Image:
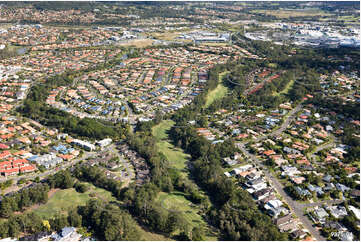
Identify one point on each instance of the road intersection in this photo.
(296, 207)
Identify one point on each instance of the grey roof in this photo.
(67, 231)
(327, 178)
(321, 213)
(256, 181)
(342, 187)
(302, 192)
(283, 220)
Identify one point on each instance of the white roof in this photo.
(245, 167)
(356, 211)
(275, 203)
(227, 174)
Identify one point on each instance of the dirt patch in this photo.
(15, 188)
(52, 192)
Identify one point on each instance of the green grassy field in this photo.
(286, 89)
(219, 92)
(349, 19)
(149, 236)
(176, 201)
(63, 200)
(176, 157)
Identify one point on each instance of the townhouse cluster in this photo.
(25, 145)
(259, 78)
(113, 165)
(12, 88)
(141, 168)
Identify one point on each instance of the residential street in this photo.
(328, 202)
(296, 207)
(284, 125)
(50, 172)
(112, 149)
(324, 146)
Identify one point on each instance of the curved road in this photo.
(284, 125)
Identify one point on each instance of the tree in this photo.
(46, 224)
(5, 208)
(13, 226)
(59, 222)
(198, 234)
(183, 236)
(81, 187)
(175, 221)
(25, 199)
(74, 218)
(4, 230)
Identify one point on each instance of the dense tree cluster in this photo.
(97, 177)
(144, 143)
(207, 170)
(81, 187)
(61, 179)
(22, 199)
(108, 221)
(142, 203)
(5, 184)
(23, 223)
